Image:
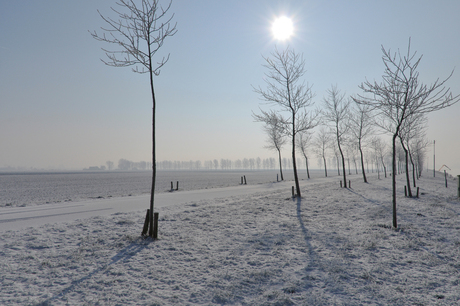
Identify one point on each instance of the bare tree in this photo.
(285, 89)
(109, 165)
(413, 128)
(419, 149)
(336, 113)
(380, 151)
(304, 140)
(274, 127)
(361, 128)
(400, 95)
(353, 151)
(137, 34)
(321, 145)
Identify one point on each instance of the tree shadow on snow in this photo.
(307, 236)
(123, 255)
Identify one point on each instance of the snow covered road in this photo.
(16, 218)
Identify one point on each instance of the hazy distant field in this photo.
(20, 189)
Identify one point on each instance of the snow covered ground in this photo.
(335, 246)
(38, 188)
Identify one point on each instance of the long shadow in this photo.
(366, 199)
(124, 255)
(306, 235)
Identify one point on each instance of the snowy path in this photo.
(17, 218)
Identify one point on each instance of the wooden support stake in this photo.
(172, 187)
(146, 223)
(418, 188)
(458, 186)
(349, 183)
(177, 188)
(155, 225)
(405, 191)
(241, 180)
(340, 184)
(292, 191)
(445, 177)
(245, 180)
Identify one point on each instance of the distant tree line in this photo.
(224, 164)
(376, 158)
(127, 165)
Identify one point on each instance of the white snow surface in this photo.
(253, 246)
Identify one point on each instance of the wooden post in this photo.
(146, 223)
(340, 184)
(445, 177)
(292, 191)
(405, 191)
(458, 188)
(155, 225)
(177, 186)
(418, 188)
(245, 180)
(241, 180)
(349, 183)
(172, 187)
(277, 177)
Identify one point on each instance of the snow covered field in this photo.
(333, 247)
(26, 189)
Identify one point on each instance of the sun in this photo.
(282, 28)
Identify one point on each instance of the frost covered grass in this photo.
(334, 246)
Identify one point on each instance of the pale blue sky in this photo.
(61, 106)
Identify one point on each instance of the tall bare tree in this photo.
(419, 146)
(380, 149)
(303, 141)
(413, 128)
(336, 113)
(274, 127)
(321, 144)
(401, 95)
(286, 90)
(361, 129)
(137, 34)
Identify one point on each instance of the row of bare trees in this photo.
(227, 164)
(399, 101)
(397, 105)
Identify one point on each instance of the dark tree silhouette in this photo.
(286, 90)
(137, 34)
(400, 95)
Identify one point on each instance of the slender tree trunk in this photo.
(362, 163)
(296, 178)
(281, 168)
(325, 167)
(306, 163)
(154, 168)
(343, 168)
(406, 154)
(384, 168)
(395, 222)
(413, 169)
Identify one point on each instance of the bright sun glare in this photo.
(282, 28)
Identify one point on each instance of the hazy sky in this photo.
(60, 106)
